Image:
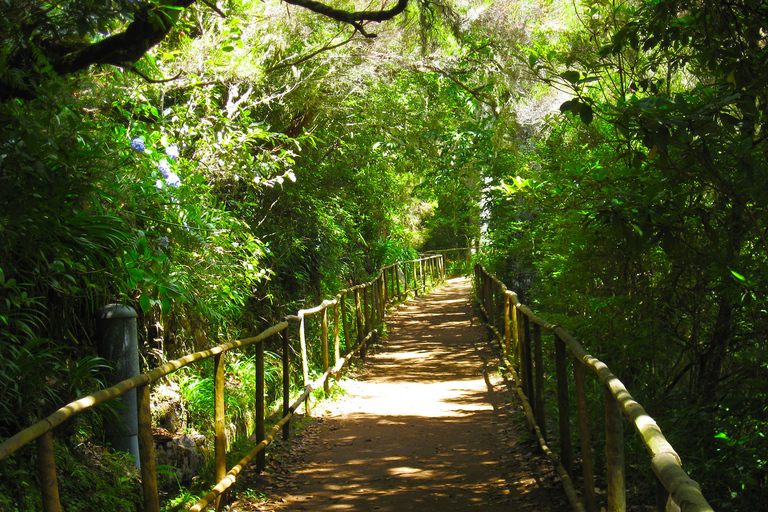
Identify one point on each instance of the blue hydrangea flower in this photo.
(164, 169)
(173, 179)
(159, 184)
(138, 145)
(172, 152)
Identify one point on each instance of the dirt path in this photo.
(426, 425)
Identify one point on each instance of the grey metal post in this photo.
(118, 343)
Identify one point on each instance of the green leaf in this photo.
(570, 105)
(571, 76)
(586, 114)
(739, 276)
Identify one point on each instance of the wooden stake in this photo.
(324, 339)
(336, 340)
(147, 450)
(259, 405)
(538, 389)
(584, 437)
(563, 405)
(46, 470)
(220, 440)
(614, 454)
(286, 383)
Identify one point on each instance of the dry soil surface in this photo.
(428, 423)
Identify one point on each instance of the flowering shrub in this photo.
(172, 152)
(173, 179)
(170, 178)
(164, 169)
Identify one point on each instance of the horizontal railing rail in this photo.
(393, 282)
(518, 331)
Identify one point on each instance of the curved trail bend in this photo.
(427, 425)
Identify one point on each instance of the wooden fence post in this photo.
(538, 389)
(563, 405)
(528, 362)
(286, 383)
(515, 335)
(324, 339)
(385, 286)
(359, 322)
(415, 281)
(46, 470)
(614, 454)
(585, 441)
(147, 450)
(506, 325)
(259, 405)
(336, 340)
(366, 321)
(304, 361)
(220, 433)
(397, 281)
(344, 323)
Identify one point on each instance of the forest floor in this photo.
(426, 423)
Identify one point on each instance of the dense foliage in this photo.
(216, 166)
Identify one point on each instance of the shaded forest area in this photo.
(218, 165)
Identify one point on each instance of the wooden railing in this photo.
(518, 331)
(394, 282)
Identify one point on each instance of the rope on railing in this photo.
(369, 313)
(674, 487)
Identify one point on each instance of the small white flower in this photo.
(173, 179)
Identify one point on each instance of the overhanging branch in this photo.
(354, 18)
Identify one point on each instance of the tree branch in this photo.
(353, 18)
(305, 58)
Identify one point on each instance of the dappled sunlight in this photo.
(417, 430)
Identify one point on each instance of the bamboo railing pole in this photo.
(415, 280)
(585, 441)
(515, 335)
(46, 470)
(336, 339)
(538, 389)
(614, 454)
(304, 361)
(286, 383)
(147, 450)
(662, 495)
(378, 293)
(366, 321)
(220, 433)
(405, 279)
(345, 323)
(259, 405)
(386, 287)
(529, 386)
(393, 295)
(423, 274)
(397, 281)
(507, 335)
(563, 405)
(358, 318)
(489, 306)
(324, 336)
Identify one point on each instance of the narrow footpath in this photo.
(428, 424)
